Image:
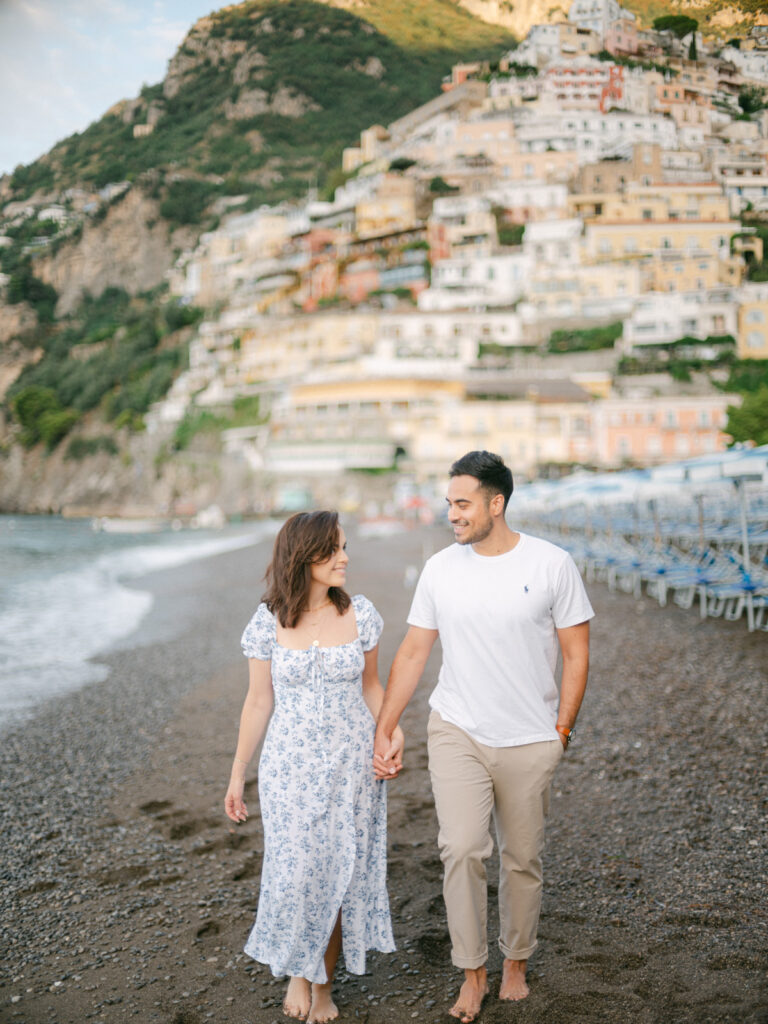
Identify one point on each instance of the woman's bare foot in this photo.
(471, 995)
(298, 998)
(323, 1007)
(513, 984)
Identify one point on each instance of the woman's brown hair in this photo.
(304, 539)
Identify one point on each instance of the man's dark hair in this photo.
(489, 470)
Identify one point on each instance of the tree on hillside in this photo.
(753, 98)
(679, 25)
(749, 421)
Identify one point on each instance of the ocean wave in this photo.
(52, 625)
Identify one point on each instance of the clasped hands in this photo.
(388, 753)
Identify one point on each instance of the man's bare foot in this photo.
(471, 995)
(513, 985)
(298, 998)
(323, 1007)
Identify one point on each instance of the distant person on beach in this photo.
(314, 680)
(501, 602)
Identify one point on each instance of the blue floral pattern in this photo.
(324, 814)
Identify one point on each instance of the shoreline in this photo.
(129, 895)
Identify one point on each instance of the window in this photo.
(755, 339)
(755, 316)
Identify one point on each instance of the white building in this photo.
(528, 199)
(540, 46)
(751, 63)
(659, 318)
(593, 136)
(553, 242)
(425, 342)
(597, 15)
(476, 283)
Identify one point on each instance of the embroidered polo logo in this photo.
(525, 588)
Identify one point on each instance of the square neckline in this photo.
(323, 647)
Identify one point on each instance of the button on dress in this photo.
(324, 814)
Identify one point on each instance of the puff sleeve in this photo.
(259, 635)
(369, 622)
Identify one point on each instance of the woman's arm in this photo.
(253, 723)
(373, 694)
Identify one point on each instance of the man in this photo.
(501, 602)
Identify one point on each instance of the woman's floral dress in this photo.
(324, 813)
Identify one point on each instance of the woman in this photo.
(312, 654)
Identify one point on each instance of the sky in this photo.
(63, 63)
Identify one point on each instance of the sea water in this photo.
(66, 596)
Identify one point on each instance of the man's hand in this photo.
(388, 753)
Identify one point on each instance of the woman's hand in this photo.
(234, 804)
(389, 763)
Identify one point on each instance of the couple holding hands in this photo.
(503, 603)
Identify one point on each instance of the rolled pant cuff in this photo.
(516, 954)
(469, 962)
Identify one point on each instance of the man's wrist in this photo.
(566, 732)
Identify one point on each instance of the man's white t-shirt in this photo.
(497, 617)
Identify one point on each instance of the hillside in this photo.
(715, 18)
(257, 104)
(260, 99)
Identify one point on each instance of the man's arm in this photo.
(404, 677)
(574, 646)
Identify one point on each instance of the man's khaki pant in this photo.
(471, 782)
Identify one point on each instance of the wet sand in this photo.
(127, 894)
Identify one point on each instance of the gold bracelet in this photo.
(246, 763)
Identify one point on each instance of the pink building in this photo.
(320, 282)
(359, 280)
(586, 84)
(645, 431)
(621, 37)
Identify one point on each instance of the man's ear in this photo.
(496, 505)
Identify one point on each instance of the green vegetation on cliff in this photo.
(115, 353)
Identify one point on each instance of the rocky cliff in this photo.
(131, 248)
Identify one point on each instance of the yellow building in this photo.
(372, 142)
(604, 241)
(590, 289)
(685, 272)
(354, 421)
(286, 348)
(528, 432)
(660, 203)
(392, 208)
(752, 340)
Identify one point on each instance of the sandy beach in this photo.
(127, 895)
